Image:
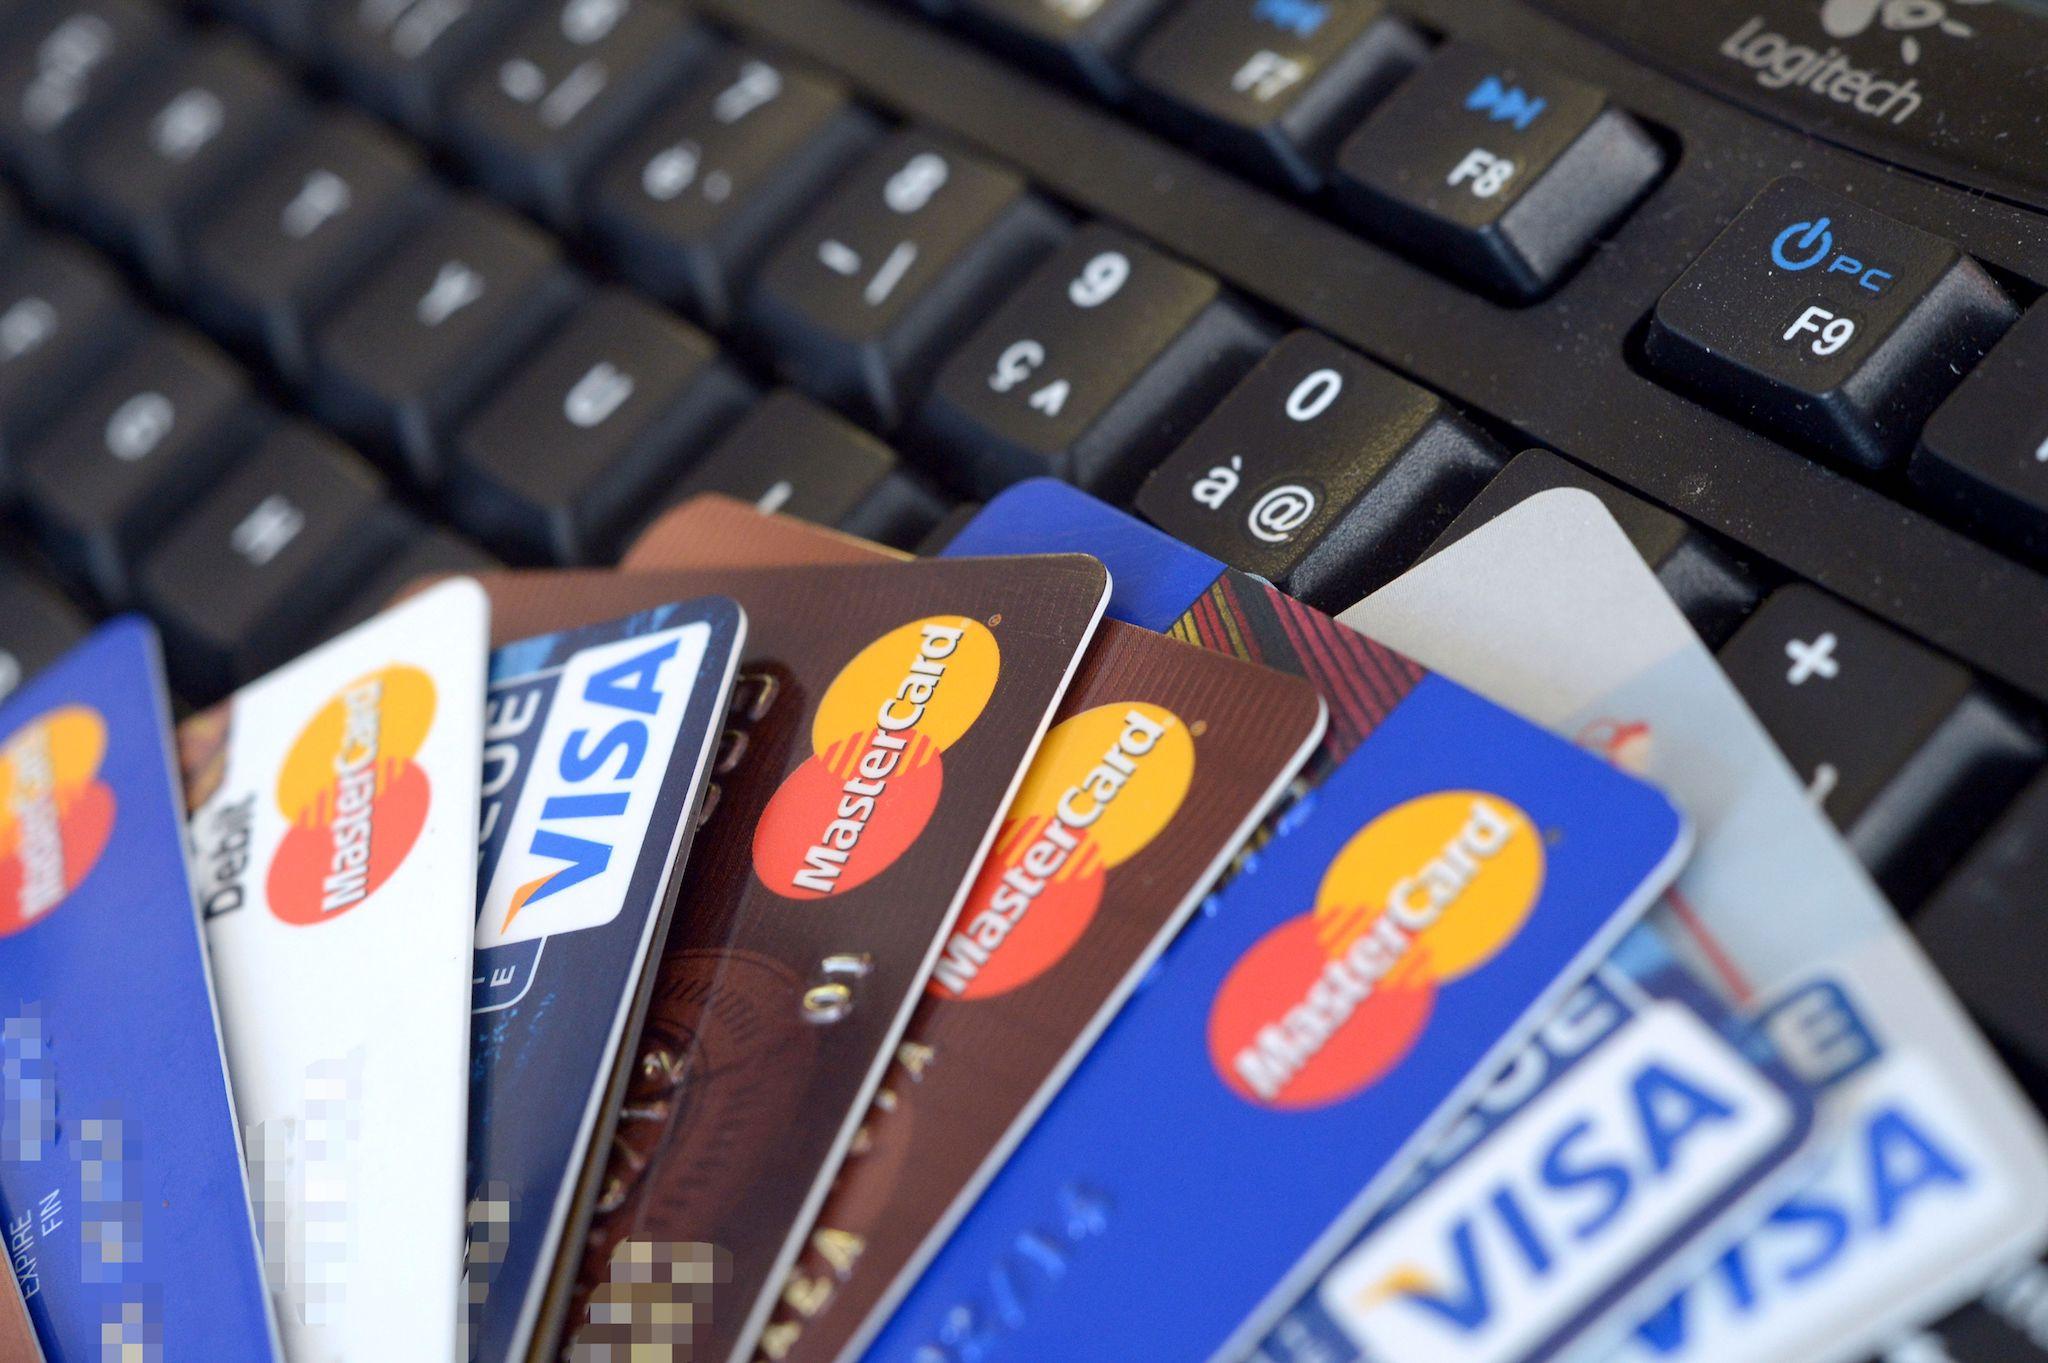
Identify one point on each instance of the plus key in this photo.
(1898, 746)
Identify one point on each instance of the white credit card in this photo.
(334, 850)
(1934, 1169)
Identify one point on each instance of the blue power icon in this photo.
(1804, 245)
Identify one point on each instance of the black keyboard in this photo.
(300, 299)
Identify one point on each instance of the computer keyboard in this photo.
(303, 298)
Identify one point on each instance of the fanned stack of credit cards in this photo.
(1068, 948)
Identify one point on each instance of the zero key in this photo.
(1321, 472)
(1826, 323)
(1897, 745)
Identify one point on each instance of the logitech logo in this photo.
(1779, 62)
(1810, 244)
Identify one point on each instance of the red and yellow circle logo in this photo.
(876, 767)
(1104, 784)
(1325, 1004)
(354, 795)
(55, 812)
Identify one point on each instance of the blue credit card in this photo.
(1153, 577)
(127, 1218)
(597, 748)
(1645, 1126)
(1302, 1044)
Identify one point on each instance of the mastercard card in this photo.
(1303, 1043)
(1162, 761)
(334, 844)
(126, 1217)
(883, 718)
(1644, 1127)
(1038, 963)
(1932, 1173)
(597, 749)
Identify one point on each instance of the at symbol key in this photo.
(1826, 324)
(1321, 472)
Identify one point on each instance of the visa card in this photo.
(126, 1217)
(1934, 1168)
(1303, 1043)
(1582, 1181)
(597, 750)
(332, 802)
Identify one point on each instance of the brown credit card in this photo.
(1162, 761)
(884, 718)
(1192, 749)
(17, 1335)
(711, 529)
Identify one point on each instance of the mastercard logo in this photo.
(55, 812)
(1325, 1004)
(353, 795)
(877, 761)
(1105, 783)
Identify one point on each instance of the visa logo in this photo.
(584, 808)
(1592, 1176)
(1905, 1191)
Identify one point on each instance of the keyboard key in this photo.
(1826, 323)
(792, 456)
(37, 625)
(1701, 577)
(1985, 452)
(1101, 361)
(132, 452)
(424, 336)
(1085, 39)
(59, 73)
(580, 437)
(1501, 174)
(401, 56)
(246, 579)
(286, 24)
(1897, 745)
(1274, 83)
(300, 230)
(1321, 472)
(532, 117)
(857, 304)
(165, 152)
(61, 311)
(1986, 929)
(688, 207)
(428, 553)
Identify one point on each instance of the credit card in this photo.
(1160, 584)
(1935, 1170)
(1584, 1179)
(127, 1218)
(711, 530)
(597, 750)
(1162, 761)
(17, 1336)
(886, 716)
(334, 803)
(1301, 1045)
